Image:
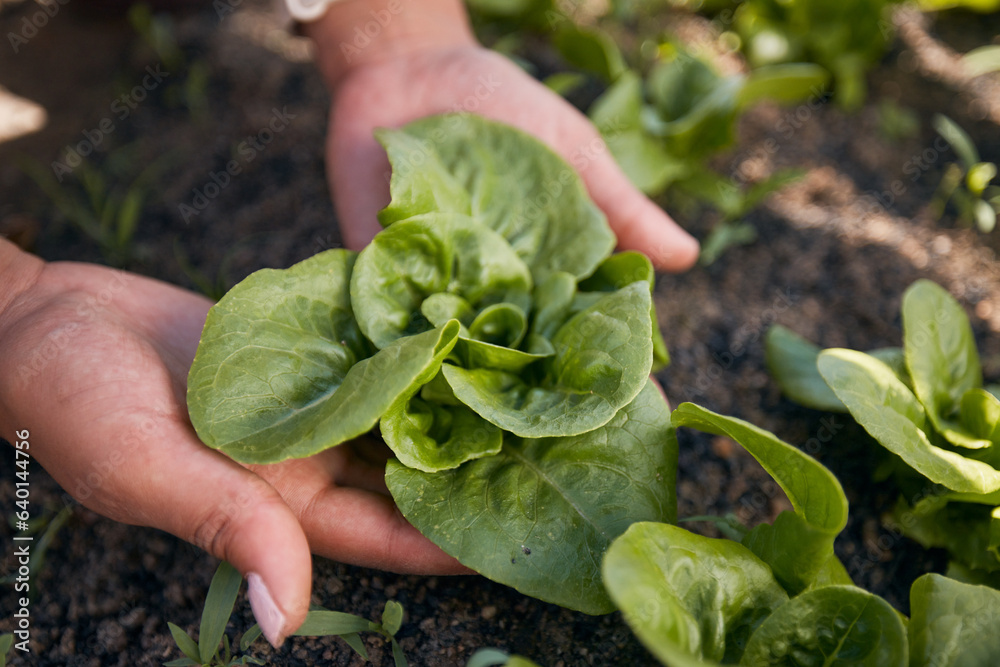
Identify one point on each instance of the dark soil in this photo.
(835, 253)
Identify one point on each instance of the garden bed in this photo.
(833, 258)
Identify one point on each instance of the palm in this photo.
(123, 443)
(393, 92)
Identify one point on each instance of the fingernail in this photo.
(269, 617)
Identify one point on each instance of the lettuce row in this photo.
(779, 596)
(926, 404)
(500, 348)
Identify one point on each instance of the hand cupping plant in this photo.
(926, 404)
(500, 348)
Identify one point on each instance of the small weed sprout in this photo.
(215, 649)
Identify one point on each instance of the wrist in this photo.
(355, 33)
(18, 272)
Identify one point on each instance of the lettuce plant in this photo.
(663, 130)
(926, 404)
(490, 335)
(779, 596)
(847, 37)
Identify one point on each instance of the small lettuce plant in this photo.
(926, 404)
(777, 595)
(490, 335)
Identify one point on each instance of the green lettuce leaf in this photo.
(890, 412)
(953, 624)
(980, 414)
(791, 359)
(835, 626)
(539, 515)
(691, 600)
(432, 437)
(552, 301)
(512, 183)
(282, 370)
(602, 358)
(426, 256)
(941, 357)
(623, 269)
(788, 83)
(798, 546)
(964, 529)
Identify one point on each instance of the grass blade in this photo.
(397, 654)
(184, 642)
(249, 637)
(959, 139)
(324, 623)
(218, 608)
(487, 657)
(6, 641)
(354, 641)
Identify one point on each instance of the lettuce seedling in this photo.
(926, 404)
(488, 332)
(779, 595)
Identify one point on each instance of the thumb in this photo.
(639, 223)
(235, 515)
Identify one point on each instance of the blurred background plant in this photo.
(968, 183)
(667, 112)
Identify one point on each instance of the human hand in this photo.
(94, 363)
(424, 61)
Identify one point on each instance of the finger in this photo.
(638, 223)
(363, 528)
(216, 504)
